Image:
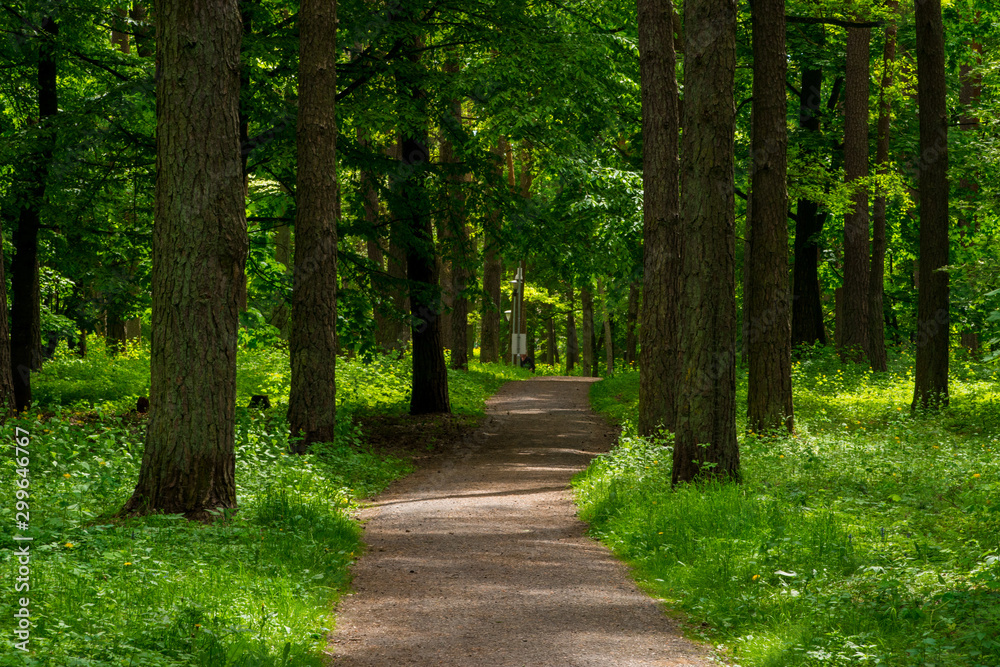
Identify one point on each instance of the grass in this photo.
(255, 588)
(870, 537)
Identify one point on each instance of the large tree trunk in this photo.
(933, 318)
(705, 440)
(587, 333)
(659, 360)
(769, 340)
(807, 307)
(25, 312)
(876, 281)
(489, 348)
(199, 249)
(854, 340)
(429, 385)
(312, 405)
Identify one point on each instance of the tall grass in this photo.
(870, 536)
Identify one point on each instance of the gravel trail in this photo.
(478, 558)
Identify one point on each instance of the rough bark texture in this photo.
(931, 386)
(429, 386)
(705, 439)
(876, 281)
(312, 404)
(807, 307)
(489, 348)
(587, 333)
(199, 248)
(458, 237)
(769, 339)
(25, 311)
(631, 354)
(659, 361)
(854, 339)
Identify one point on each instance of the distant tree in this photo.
(489, 349)
(705, 440)
(768, 340)
(199, 250)
(933, 317)
(854, 340)
(876, 282)
(25, 311)
(312, 405)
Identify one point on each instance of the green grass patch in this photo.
(257, 587)
(871, 536)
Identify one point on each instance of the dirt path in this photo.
(479, 559)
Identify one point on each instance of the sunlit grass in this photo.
(871, 536)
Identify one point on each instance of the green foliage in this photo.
(871, 536)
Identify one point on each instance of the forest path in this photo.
(478, 558)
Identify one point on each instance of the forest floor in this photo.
(478, 558)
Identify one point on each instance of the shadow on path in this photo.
(479, 559)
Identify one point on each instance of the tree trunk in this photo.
(807, 307)
(572, 344)
(199, 249)
(489, 348)
(705, 440)
(587, 334)
(659, 360)
(769, 338)
(631, 321)
(312, 404)
(933, 318)
(876, 282)
(25, 311)
(429, 386)
(551, 354)
(854, 340)
(609, 349)
(458, 236)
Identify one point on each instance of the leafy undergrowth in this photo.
(254, 588)
(871, 536)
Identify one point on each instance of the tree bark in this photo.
(933, 317)
(312, 404)
(769, 339)
(429, 385)
(489, 349)
(876, 282)
(551, 353)
(458, 238)
(609, 349)
(572, 344)
(659, 360)
(587, 333)
(807, 306)
(25, 311)
(854, 340)
(199, 249)
(705, 440)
